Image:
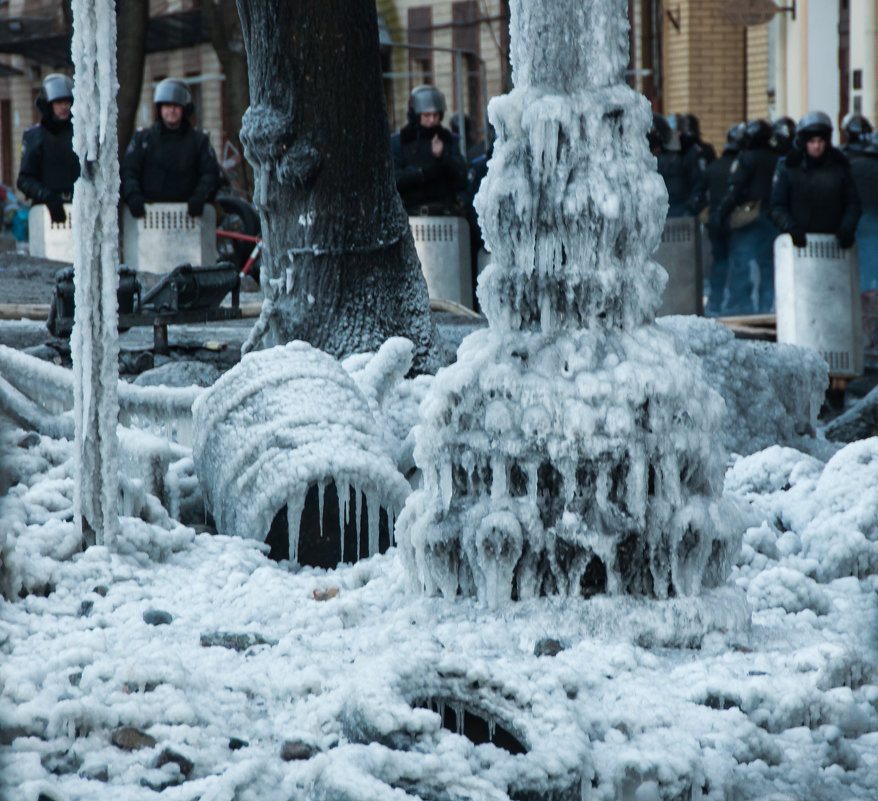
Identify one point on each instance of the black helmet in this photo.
(814, 123)
(678, 122)
(856, 129)
(173, 90)
(660, 133)
(782, 132)
(55, 87)
(735, 137)
(694, 126)
(758, 134)
(681, 123)
(425, 99)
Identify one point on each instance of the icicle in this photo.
(294, 521)
(492, 727)
(445, 482)
(458, 711)
(321, 486)
(358, 497)
(372, 509)
(341, 486)
(498, 477)
(531, 471)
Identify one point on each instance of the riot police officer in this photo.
(744, 213)
(865, 172)
(783, 130)
(430, 170)
(856, 130)
(814, 190)
(717, 178)
(49, 167)
(171, 161)
(684, 179)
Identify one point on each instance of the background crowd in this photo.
(770, 178)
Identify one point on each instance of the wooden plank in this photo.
(24, 311)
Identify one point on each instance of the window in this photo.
(420, 35)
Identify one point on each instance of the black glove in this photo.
(136, 206)
(56, 208)
(799, 239)
(845, 238)
(195, 206)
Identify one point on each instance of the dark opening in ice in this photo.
(321, 546)
(462, 719)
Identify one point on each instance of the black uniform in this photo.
(164, 165)
(717, 182)
(751, 246)
(49, 167)
(684, 180)
(750, 180)
(421, 178)
(865, 174)
(815, 196)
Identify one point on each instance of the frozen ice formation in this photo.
(772, 391)
(284, 420)
(574, 447)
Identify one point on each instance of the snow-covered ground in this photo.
(188, 662)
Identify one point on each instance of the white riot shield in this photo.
(443, 249)
(817, 297)
(49, 240)
(680, 253)
(166, 237)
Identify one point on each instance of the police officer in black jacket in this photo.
(49, 167)
(430, 170)
(751, 242)
(814, 191)
(683, 177)
(856, 130)
(170, 162)
(717, 179)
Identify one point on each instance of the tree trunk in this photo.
(132, 19)
(224, 27)
(339, 263)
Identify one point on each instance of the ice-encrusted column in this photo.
(573, 447)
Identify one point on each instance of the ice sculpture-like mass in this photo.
(573, 448)
(281, 421)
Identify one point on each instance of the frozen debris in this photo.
(281, 423)
(773, 392)
(574, 447)
(858, 422)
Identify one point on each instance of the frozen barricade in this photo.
(443, 249)
(680, 253)
(49, 240)
(167, 236)
(817, 292)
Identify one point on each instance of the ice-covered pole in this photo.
(94, 342)
(571, 448)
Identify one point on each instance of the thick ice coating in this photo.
(574, 447)
(279, 422)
